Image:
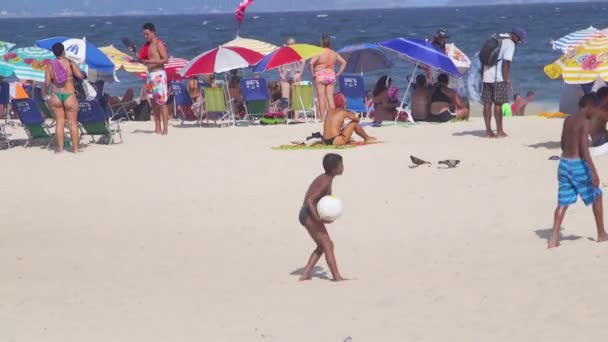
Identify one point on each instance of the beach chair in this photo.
(4, 137)
(215, 104)
(353, 88)
(32, 121)
(182, 104)
(124, 108)
(303, 100)
(43, 107)
(257, 98)
(93, 121)
(5, 97)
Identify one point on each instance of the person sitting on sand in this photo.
(421, 97)
(334, 131)
(518, 108)
(446, 104)
(385, 107)
(310, 219)
(576, 173)
(599, 134)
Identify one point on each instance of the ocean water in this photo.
(190, 35)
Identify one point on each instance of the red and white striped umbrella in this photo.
(221, 59)
(172, 69)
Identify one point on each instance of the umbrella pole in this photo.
(230, 105)
(407, 90)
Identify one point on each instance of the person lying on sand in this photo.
(309, 217)
(333, 131)
(576, 173)
(599, 134)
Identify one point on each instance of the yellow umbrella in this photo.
(122, 60)
(252, 44)
(584, 64)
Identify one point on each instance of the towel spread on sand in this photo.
(301, 146)
(556, 115)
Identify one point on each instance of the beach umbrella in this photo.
(584, 64)
(459, 58)
(26, 63)
(574, 39)
(81, 51)
(251, 44)
(122, 60)
(362, 58)
(286, 55)
(220, 59)
(5, 47)
(422, 53)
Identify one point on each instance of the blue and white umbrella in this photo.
(81, 51)
(362, 58)
(423, 53)
(574, 39)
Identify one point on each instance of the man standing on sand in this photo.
(496, 79)
(154, 55)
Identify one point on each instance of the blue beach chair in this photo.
(182, 104)
(32, 121)
(93, 121)
(256, 96)
(353, 88)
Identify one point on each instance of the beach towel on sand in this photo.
(320, 146)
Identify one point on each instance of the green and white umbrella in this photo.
(5, 47)
(26, 63)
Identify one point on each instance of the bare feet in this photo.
(501, 135)
(303, 278)
(490, 135)
(553, 242)
(339, 278)
(371, 140)
(602, 237)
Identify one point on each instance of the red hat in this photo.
(340, 100)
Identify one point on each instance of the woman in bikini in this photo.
(62, 99)
(322, 68)
(385, 106)
(446, 104)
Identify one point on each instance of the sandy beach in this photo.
(195, 237)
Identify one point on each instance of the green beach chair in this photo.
(93, 121)
(303, 100)
(214, 104)
(32, 121)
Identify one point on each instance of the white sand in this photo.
(194, 237)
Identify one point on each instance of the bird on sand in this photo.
(417, 162)
(450, 163)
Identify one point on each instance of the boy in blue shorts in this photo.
(577, 174)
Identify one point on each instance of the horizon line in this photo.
(221, 12)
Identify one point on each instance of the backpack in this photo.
(488, 55)
(59, 72)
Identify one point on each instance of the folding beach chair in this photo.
(32, 121)
(215, 104)
(353, 88)
(303, 100)
(5, 96)
(43, 107)
(256, 96)
(93, 121)
(182, 104)
(4, 137)
(124, 108)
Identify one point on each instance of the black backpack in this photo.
(488, 55)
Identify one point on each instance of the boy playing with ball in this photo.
(314, 224)
(576, 173)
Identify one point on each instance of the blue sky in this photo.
(111, 7)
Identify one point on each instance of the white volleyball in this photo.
(330, 208)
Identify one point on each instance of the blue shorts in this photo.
(574, 178)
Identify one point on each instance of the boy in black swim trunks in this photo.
(309, 218)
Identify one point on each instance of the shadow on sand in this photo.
(317, 272)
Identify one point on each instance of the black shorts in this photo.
(303, 215)
(497, 93)
(441, 117)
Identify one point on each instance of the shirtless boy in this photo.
(154, 55)
(333, 133)
(599, 135)
(576, 173)
(309, 218)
